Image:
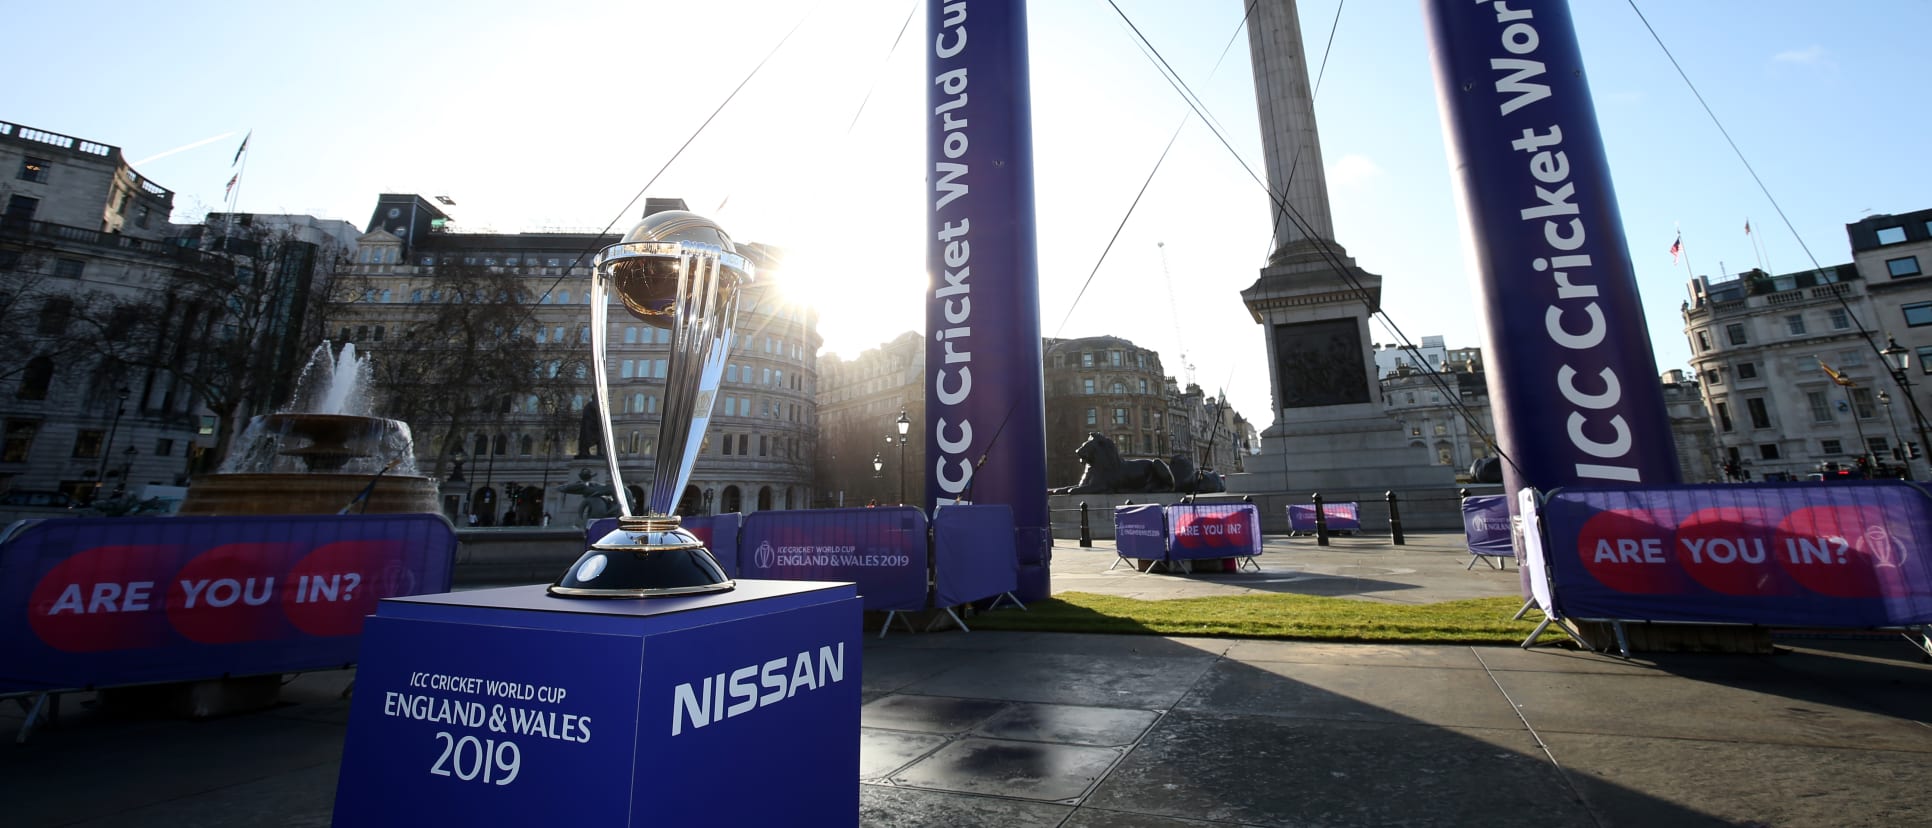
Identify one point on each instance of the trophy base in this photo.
(646, 557)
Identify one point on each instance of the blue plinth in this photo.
(511, 707)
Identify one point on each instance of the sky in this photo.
(555, 115)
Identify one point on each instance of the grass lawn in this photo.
(1303, 617)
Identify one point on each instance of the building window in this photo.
(1760, 416)
(1703, 341)
(724, 446)
(1714, 377)
(1093, 416)
(54, 316)
(34, 169)
(35, 378)
(87, 443)
(1861, 398)
(1086, 386)
(1840, 320)
(1891, 235)
(1830, 447)
(1924, 353)
(1877, 445)
(69, 268)
(1120, 416)
(1734, 333)
(1059, 360)
(1113, 358)
(1768, 451)
(1820, 407)
(1917, 314)
(1118, 387)
(1747, 370)
(164, 447)
(1143, 386)
(1442, 429)
(1086, 359)
(1794, 324)
(1907, 266)
(19, 440)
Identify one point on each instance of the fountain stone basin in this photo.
(306, 463)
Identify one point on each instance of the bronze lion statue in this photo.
(1106, 473)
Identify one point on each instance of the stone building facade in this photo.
(518, 449)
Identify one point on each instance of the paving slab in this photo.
(882, 806)
(1089, 817)
(1069, 724)
(1690, 782)
(928, 714)
(1276, 771)
(1756, 710)
(883, 751)
(1027, 770)
(1107, 681)
(1354, 692)
(1321, 652)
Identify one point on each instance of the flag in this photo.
(241, 149)
(231, 185)
(1747, 227)
(1837, 377)
(1676, 248)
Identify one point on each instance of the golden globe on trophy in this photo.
(679, 271)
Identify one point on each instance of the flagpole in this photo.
(1754, 243)
(234, 198)
(233, 195)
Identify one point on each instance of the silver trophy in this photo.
(674, 270)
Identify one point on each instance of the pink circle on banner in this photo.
(1842, 551)
(1628, 550)
(228, 594)
(1732, 550)
(1236, 533)
(1198, 530)
(104, 598)
(332, 589)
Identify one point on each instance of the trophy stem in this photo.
(600, 381)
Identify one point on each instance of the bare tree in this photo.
(231, 335)
(469, 359)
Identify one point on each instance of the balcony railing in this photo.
(49, 231)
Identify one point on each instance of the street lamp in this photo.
(878, 466)
(1900, 450)
(456, 465)
(905, 425)
(127, 464)
(100, 474)
(1900, 359)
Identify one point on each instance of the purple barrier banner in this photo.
(972, 549)
(1798, 555)
(1140, 531)
(1343, 516)
(985, 424)
(719, 533)
(882, 550)
(1485, 525)
(1200, 530)
(98, 602)
(1572, 379)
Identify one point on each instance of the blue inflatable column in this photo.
(1572, 380)
(985, 400)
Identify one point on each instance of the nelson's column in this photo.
(1329, 432)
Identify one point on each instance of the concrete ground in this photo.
(1043, 729)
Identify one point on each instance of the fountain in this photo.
(326, 454)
